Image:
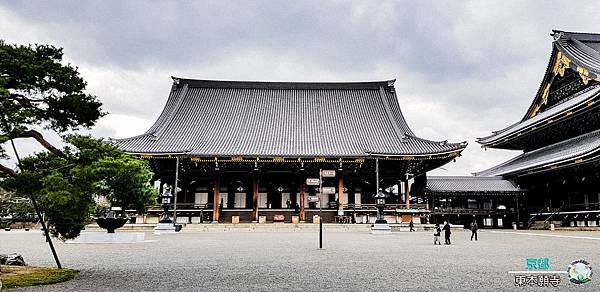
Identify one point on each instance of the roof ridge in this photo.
(556, 33)
(284, 84)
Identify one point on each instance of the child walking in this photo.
(436, 234)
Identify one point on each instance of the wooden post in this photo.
(407, 193)
(255, 198)
(216, 191)
(175, 191)
(517, 209)
(302, 201)
(340, 192)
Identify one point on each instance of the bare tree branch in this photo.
(8, 171)
(40, 138)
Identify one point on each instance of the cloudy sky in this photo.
(463, 68)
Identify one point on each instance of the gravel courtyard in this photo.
(350, 261)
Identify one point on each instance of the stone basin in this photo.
(110, 222)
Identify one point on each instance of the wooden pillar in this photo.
(340, 192)
(302, 184)
(407, 193)
(216, 191)
(255, 198)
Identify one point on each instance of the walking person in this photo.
(436, 234)
(220, 211)
(474, 228)
(411, 225)
(447, 232)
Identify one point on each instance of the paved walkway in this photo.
(351, 261)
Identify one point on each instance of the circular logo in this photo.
(580, 272)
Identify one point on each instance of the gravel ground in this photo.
(350, 261)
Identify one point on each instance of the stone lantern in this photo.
(380, 204)
(165, 224)
(381, 226)
(166, 199)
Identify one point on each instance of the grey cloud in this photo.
(482, 60)
(131, 34)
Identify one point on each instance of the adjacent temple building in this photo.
(244, 150)
(560, 138)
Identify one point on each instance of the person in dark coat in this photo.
(221, 211)
(474, 228)
(411, 225)
(447, 232)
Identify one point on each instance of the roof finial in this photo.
(175, 83)
(390, 84)
(557, 34)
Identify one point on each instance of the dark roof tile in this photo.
(470, 184)
(231, 118)
(554, 154)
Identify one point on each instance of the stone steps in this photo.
(270, 227)
(274, 227)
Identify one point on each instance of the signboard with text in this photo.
(312, 199)
(328, 173)
(328, 190)
(312, 181)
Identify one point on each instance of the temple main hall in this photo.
(243, 151)
(559, 137)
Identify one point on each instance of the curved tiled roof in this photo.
(581, 48)
(578, 102)
(470, 184)
(582, 54)
(238, 118)
(569, 151)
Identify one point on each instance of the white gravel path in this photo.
(275, 261)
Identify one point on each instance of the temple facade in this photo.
(247, 151)
(491, 201)
(559, 136)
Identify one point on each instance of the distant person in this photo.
(411, 225)
(447, 232)
(436, 234)
(296, 208)
(474, 228)
(220, 211)
(288, 203)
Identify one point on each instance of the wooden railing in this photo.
(332, 205)
(547, 221)
(534, 216)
